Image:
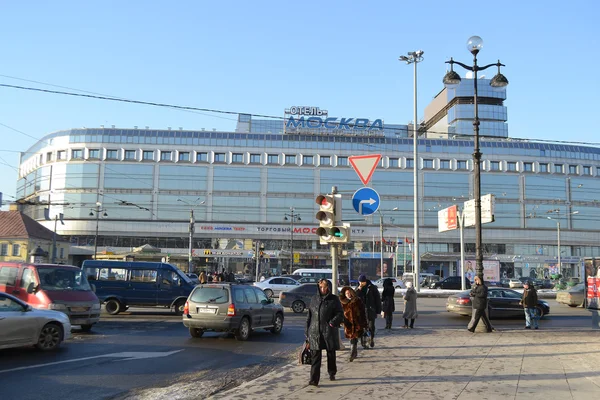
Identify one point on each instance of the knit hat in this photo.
(362, 278)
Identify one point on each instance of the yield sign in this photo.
(365, 166)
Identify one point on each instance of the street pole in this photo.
(461, 220)
(414, 57)
(257, 255)
(54, 240)
(559, 259)
(381, 242)
(292, 244)
(191, 229)
(474, 45)
(98, 204)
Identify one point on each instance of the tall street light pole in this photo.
(294, 217)
(452, 79)
(558, 239)
(415, 57)
(98, 210)
(191, 230)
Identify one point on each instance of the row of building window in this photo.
(322, 160)
(16, 250)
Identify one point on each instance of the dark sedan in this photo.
(451, 282)
(298, 298)
(502, 302)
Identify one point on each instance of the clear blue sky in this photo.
(263, 56)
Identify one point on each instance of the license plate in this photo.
(205, 310)
(79, 309)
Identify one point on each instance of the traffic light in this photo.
(261, 251)
(331, 228)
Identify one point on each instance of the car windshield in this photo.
(63, 279)
(210, 294)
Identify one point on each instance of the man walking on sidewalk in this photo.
(369, 294)
(529, 303)
(479, 294)
(325, 314)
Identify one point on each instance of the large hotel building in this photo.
(129, 192)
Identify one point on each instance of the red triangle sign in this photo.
(365, 166)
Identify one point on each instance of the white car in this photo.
(398, 284)
(275, 285)
(22, 325)
(515, 283)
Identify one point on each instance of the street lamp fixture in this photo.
(98, 210)
(415, 57)
(293, 217)
(451, 80)
(191, 230)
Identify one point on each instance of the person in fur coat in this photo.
(355, 319)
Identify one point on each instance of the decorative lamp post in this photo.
(451, 80)
(98, 210)
(293, 217)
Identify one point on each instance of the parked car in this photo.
(23, 325)
(231, 307)
(502, 302)
(398, 284)
(52, 287)
(120, 284)
(194, 278)
(298, 299)
(275, 285)
(573, 297)
(515, 283)
(547, 284)
(504, 282)
(451, 282)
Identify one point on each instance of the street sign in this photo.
(296, 257)
(488, 203)
(447, 219)
(365, 201)
(365, 166)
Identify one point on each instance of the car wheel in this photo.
(298, 306)
(278, 325)
(540, 312)
(268, 293)
(86, 327)
(179, 306)
(113, 306)
(50, 337)
(196, 332)
(243, 332)
(398, 287)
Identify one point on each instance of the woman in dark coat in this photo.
(410, 306)
(387, 298)
(325, 314)
(355, 318)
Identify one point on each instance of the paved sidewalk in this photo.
(436, 363)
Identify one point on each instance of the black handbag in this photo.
(304, 357)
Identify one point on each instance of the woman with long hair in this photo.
(387, 300)
(355, 319)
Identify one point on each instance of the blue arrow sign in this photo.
(365, 201)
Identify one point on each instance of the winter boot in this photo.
(353, 351)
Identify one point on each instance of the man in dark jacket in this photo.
(369, 294)
(529, 303)
(479, 294)
(325, 314)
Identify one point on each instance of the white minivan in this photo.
(408, 276)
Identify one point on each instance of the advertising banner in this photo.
(491, 270)
(593, 293)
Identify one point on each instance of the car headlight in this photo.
(96, 307)
(57, 307)
(544, 303)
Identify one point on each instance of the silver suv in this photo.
(230, 307)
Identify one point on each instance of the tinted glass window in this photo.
(8, 276)
(239, 296)
(262, 297)
(287, 281)
(7, 304)
(276, 281)
(208, 294)
(250, 295)
(113, 274)
(143, 275)
(27, 278)
(510, 294)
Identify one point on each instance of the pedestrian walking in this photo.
(387, 300)
(410, 306)
(370, 296)
(479, 299)
(529, 302)
(325, 314)
(355, 319)
(202, 278)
